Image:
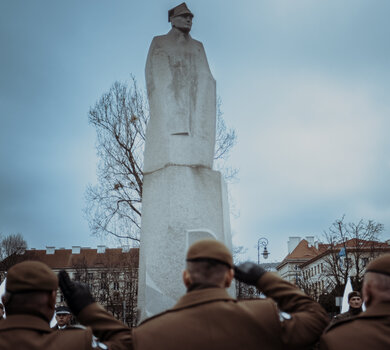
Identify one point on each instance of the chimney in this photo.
(101, 249)
(76, 249)
(310, 241)
(50, 250)
(292, 243)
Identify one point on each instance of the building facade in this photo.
(323, 269)
(111, 274)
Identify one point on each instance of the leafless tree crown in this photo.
(12, 244)
(120, 118)
(359, 241)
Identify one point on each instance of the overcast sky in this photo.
(305, 84)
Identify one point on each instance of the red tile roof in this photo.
(302, 251)
(64, 258)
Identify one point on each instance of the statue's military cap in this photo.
(31, 276)
(380, 265)
(179, 10)
(210, 249)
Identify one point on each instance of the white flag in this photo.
(348, 289)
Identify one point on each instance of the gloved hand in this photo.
(249, 273)
(76, 294)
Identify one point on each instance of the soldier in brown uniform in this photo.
(29, 302)
(370, 330)
(63, 318)
(355, 307)
(208, 318)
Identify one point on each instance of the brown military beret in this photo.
(353, 294)
(210, 249)
(380, 265)
(31, 276)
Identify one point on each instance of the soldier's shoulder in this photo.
(259, 301)
(75, 326)
(342, 316)
(154, 318)
(339, 322)
(253, 305)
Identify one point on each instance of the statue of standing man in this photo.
(182, 98)
(183, 199)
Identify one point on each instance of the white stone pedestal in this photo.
(180, 205)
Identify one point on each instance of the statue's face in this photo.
(182, 22)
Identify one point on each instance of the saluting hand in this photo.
(76, 294)
(249, 273)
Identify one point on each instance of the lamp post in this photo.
(262, 242)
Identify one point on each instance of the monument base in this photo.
(180, 205)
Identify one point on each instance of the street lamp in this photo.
(262, 242)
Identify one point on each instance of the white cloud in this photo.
(317, 143)
(321, 137)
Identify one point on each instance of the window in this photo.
(322, 267)
(116, 285)
(364, 262)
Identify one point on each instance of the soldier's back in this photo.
(216, 323)
(30, 332)
(368, 330)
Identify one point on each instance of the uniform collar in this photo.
(380, 309)
(178, 35)
(25, 321)
(202, 296)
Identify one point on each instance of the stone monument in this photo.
(183, 199)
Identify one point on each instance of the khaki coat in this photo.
(370, 330)
(19, 332)
(211, 319)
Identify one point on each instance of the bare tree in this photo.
(12, 244)
(12, 247)
(243, 290)
(113, 282)
(303, 281)
(349, 248)
(120, 118)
